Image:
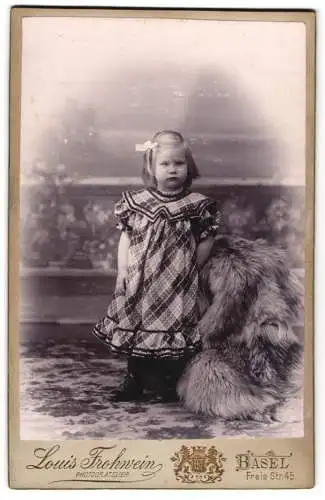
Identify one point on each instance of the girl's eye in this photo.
(177, 163)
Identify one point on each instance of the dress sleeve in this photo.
(123, 215)
(211, 222)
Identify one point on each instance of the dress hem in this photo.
(134, 351)
(140, 328)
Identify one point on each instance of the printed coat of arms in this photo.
(201, 464)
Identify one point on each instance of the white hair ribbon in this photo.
(145, 146)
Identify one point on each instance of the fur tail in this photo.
(211, 387)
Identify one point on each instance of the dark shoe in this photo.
(129, 391)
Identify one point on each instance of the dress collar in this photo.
(169, 196)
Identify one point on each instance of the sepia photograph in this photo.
(162, 228)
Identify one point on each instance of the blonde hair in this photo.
(159, 140)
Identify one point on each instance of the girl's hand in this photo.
(204, 250)
(122, 261)
(121, 282)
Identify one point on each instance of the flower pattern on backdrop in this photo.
(59, 229)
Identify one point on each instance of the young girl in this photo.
(166, 236)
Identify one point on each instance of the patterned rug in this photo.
(65, 387)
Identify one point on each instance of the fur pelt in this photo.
(250, 351)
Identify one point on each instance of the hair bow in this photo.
(145, 146)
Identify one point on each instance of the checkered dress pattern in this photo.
(155, 314)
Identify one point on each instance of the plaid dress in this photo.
(155, 314)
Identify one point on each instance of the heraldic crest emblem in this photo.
(203, 464)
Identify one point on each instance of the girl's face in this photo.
(170, 168)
